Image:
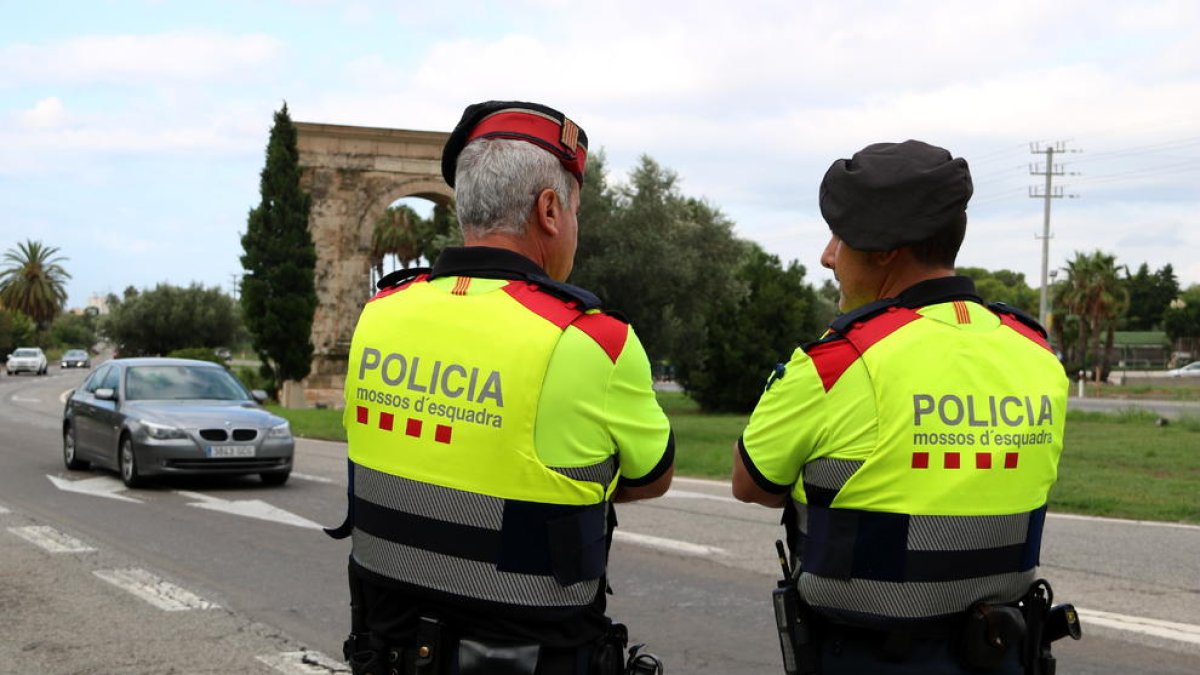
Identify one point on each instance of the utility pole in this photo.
(1048, 192)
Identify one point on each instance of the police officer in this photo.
(493, 414)
(913, 446)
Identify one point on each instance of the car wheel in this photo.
(73, 463)
(275, 478)
(128, 461)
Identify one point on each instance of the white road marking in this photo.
(51, 539)
(62, 398)
(22, 399)
(250, 508)
(1123, 521)
(672, 545)
(4, 510)
(1182, 632)
(99, 486)
(688, 494)
(303, 663)
(149, 587)
(315, 479)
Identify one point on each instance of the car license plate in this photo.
(219, 451)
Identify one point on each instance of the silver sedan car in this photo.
(146, 417)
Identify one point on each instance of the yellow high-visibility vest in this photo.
(919, 446)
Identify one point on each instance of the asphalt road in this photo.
(227, 576)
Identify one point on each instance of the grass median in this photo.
(1122, 465)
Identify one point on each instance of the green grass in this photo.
(322, 423)
(1128, 467)
(1114, 464)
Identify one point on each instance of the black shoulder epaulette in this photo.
(564, 291)
(619, 316)
(1001, 308)
(843, 323)
(399, 276)
(828, 337)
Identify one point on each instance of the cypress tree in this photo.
(279, 294)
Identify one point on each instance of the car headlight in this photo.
(282, 431)
(162, 432)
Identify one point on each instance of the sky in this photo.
(132, 133)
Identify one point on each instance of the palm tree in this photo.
(398, 233)
(1094, 293)
(34, 281)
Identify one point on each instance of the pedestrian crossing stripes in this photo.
(149, 587)
(51, 539)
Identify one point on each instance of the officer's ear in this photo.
(548, 212)
(885, 258)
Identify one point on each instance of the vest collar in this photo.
(935, 291)
(484, 262)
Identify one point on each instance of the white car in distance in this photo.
(27, 360)
(1190, 370)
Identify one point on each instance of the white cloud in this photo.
(45, 114)
(169, 58)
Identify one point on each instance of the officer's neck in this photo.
(520, 244)
(901, 277)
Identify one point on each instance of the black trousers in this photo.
(858, 653)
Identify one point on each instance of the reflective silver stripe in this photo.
(467, 578)
(952, 533)
(430, 501)
(602, 473)
(889, 599)
(830, 474)
(965, 533)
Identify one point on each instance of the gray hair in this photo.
(497, 181)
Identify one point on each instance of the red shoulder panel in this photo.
(398, 287)
(831, 359)
(864, 335)
(1019, 326)
(558, 312)
(608, 332)
(834, 357)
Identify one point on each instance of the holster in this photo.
(794, 621)
(989, 633)
(608, 657)
(482, 658)
(1047, 623)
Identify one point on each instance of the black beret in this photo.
(890, 195)
(541, 125)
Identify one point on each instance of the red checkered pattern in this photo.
(413, 428)
(953, 460)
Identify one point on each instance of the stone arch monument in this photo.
(353, 175)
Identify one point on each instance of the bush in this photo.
(254, 379)
(197, 353)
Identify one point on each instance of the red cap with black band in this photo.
(541, 125)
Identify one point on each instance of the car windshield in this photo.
(25, 352)
(171, 383)
(75, 354)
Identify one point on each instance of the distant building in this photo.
(96, 304)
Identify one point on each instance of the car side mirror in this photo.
(106, 394)
(259, 395)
